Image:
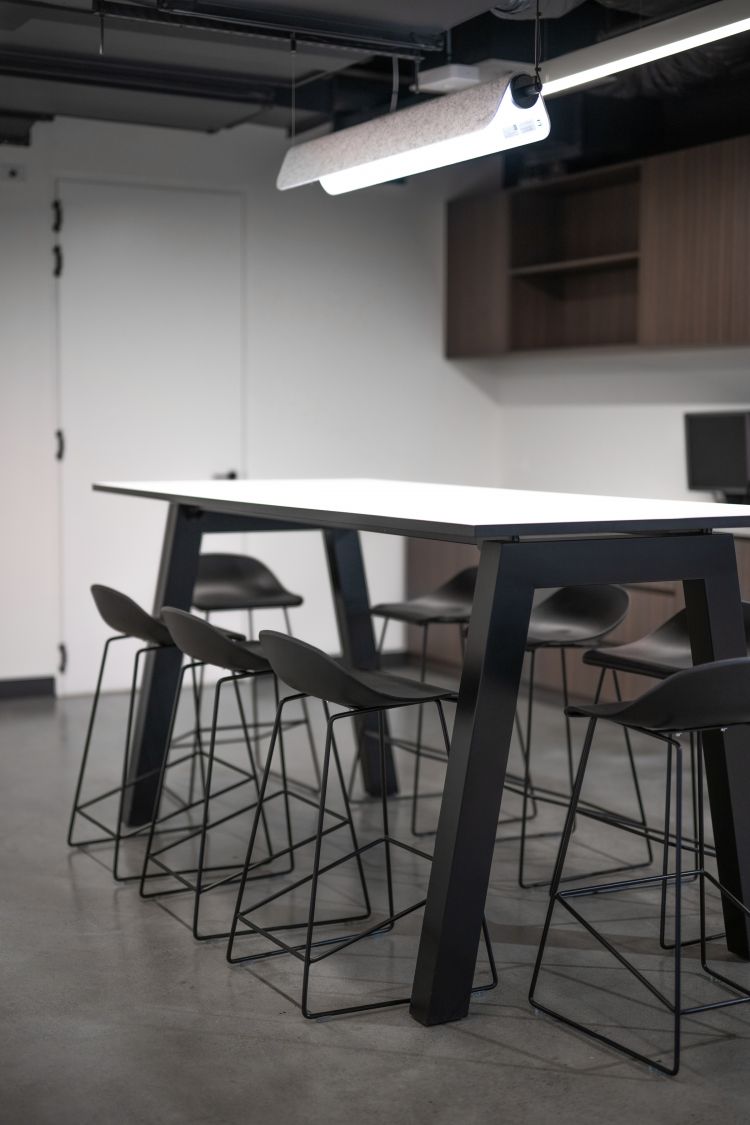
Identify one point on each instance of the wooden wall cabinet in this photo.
(695, 246)
(653, 252)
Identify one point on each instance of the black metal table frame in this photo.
(509, 572)
(185, 527)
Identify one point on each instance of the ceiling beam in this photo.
(329, 32)
(83, 70)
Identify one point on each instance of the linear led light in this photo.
(635, 48)
(497, 115)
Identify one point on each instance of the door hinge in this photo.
(57, 215)
(63, 662)
(60, 448)
(57, 258)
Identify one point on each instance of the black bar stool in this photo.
(204, 644)
(571, 617)
(242, 583)
(130, 622)
(307, 669)
(658, 654)
(449, 604)
(708, 697)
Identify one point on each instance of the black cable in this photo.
(538, 48)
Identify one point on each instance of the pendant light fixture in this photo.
(695, 28)
(502, 114)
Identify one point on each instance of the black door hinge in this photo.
(57, 216)
(60, 449)
(57, 256)
(63, 662)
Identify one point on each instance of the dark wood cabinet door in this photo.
(695, 246)
(476, 276)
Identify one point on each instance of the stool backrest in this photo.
(675, 629)
(459, 588)
(599, 608)
(310, 670)
(251, 572)
(705, 697)
(202, 641)
(125, 616)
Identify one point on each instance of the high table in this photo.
(527, 540)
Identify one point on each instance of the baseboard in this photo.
(25, 689)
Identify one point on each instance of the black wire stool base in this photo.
(743, 996)
(244, 925)
(674, 878)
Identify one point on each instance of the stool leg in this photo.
(197, 740)
(384, 804)
(347, 808)
(566, 701)
(126, 762)
(418, 746)
(634, 772)
(86, 750)
(665, 852)
(307, 956)
(207, 801)
(526, 774)
(160, 783)
(306, 716)
(276, 736)
(561, 855)
(677, 909)
(250, 755)
(254, 709)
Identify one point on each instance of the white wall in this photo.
(606, 420)
(343, 367)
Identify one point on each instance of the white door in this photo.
(150, 362)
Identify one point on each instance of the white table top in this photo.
(438, 511)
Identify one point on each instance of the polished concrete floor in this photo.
(113, 1014)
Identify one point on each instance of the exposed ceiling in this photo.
(213, 64)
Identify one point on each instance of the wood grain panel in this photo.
(430, 563)
(695, 246)
(476, 281)
(576, 309)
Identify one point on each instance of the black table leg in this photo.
(352, 605)
(174, 587)
(482, 733)
(716, 633)
(473, 789)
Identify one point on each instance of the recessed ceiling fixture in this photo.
(636, 48)
(494, 116)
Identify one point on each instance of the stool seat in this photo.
(449, 604)
(125, 616)
(306, 669)
(576, 615)
(202, 641)
(228, 582)
(705, 697)
(660, 653)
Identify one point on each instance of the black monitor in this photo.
(718, 453)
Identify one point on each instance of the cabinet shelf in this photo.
(655, 252)
(573, 265)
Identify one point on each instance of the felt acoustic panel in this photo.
(460, 126)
